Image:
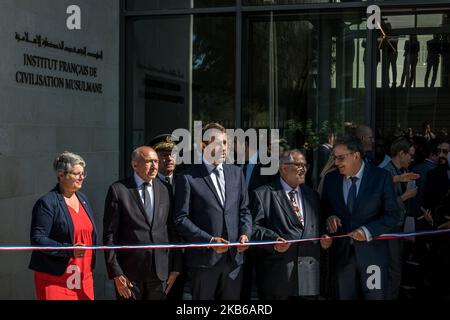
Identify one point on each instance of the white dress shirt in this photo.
(347, 183)
(163, 177)
(219, 184)
(140, 187)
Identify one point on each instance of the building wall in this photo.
(38, 121)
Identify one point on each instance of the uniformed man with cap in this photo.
(164, 146)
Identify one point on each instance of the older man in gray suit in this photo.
(283, 210)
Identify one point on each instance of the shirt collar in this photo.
(288, 188)
(163, 177)
(210, 167)
(395, 166)
(139, 181)
(360, 172)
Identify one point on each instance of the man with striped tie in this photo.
(286, 209)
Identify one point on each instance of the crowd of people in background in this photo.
(419, 165)
(368, 186)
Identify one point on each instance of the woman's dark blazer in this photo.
(51, 225)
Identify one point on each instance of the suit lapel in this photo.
(362, 189)
(339, 187)
(228, 186)
(307, 206)
(63, 205)
(210, 184)
(283, 201)
(137, 198)
(88, 210)
(156, 195)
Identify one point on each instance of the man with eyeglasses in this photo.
(286, 209)
(402, 153)
(436, 211)
(358, 202)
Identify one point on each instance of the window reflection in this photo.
(179, 70)
(414, 101)
(305, 77)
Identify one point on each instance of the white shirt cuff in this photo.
(368, 234)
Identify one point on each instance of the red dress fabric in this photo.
(77, 282)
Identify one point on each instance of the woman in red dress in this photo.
(63, 217)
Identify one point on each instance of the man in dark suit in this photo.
(436, 208)
(402, 153)
(359, 200)
(431, 153)
(138, 210)
(286, 209)
(211, 205)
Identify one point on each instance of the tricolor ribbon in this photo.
(387, 236)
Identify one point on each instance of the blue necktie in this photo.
(147, 202)
(352, 195)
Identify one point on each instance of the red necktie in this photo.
(294, 205)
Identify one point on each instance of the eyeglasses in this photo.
(444, 151)
(341, 157)
(299, 165)
(78, 175)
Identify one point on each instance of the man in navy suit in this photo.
(359, 200)
(211, 205)
(139, 210)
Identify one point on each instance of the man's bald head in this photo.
(144, 161)
(365, 134)
(141, 152)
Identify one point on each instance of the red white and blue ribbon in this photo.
(387, 236)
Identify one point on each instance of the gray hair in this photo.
(286, 156)
(136, 154)
(66, 160)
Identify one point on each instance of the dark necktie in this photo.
(219, 183)
(295, 206)
(148, 206)
(352, 195)
(167, 178)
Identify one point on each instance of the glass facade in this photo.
(304, 71)
(413, 72)
(176, 4)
